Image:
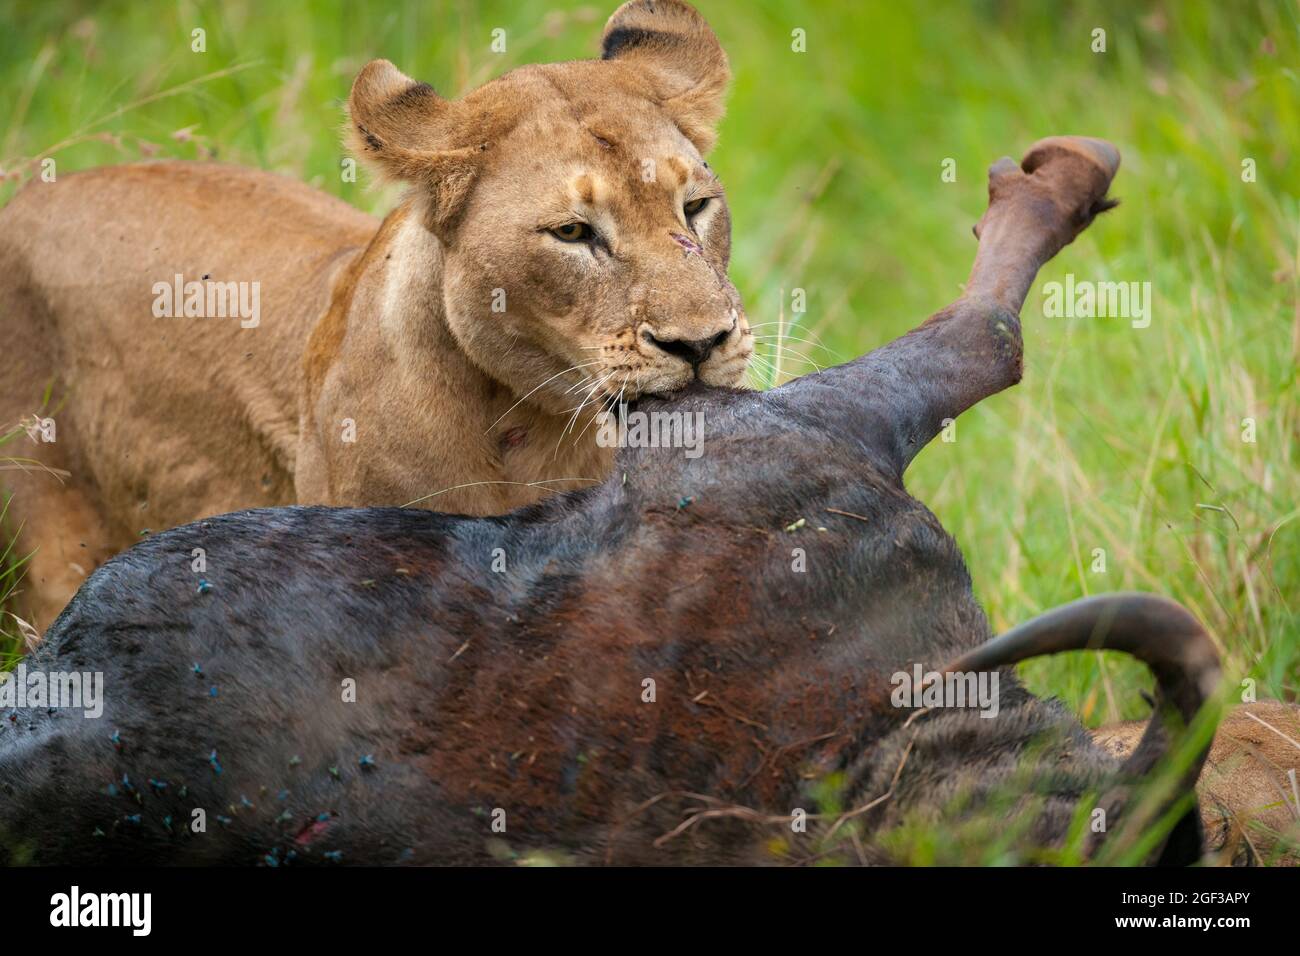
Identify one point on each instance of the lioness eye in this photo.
(695, 205)
(573, 232)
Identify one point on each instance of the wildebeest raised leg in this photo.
(899, 396)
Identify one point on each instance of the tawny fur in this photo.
(1249, 807)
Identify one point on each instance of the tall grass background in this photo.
(1122, 439)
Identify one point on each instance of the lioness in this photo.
(1250, 809)
(563, 243)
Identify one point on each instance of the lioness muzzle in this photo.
(665, 668)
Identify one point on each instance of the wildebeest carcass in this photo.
(693, 662)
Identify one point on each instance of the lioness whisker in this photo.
(474, 484)
(572, 421)
(793, 354)
(551, 379)
(606, 407)
(784, 351)
(796, 338)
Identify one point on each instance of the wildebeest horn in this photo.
(1163, 635)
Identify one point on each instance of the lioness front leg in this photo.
(899, 396)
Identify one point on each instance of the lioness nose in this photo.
(694, 351)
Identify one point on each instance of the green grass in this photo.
(1123, 439)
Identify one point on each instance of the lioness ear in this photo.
(404, 130)
(682, 58)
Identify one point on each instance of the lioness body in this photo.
(157, 420)
(1249, 806)
(563, 245)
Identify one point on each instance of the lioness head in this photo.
(584, 239)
